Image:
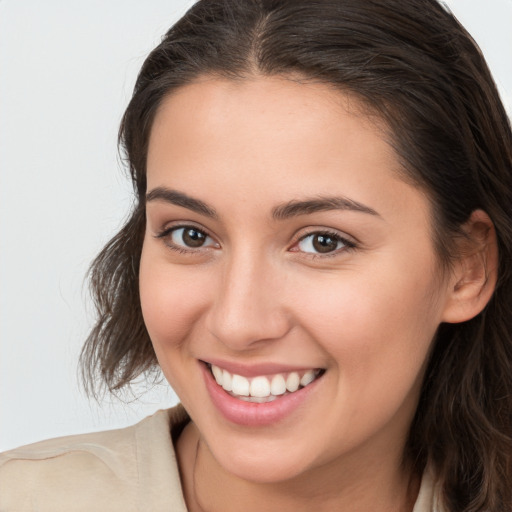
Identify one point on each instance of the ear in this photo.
(475, 271)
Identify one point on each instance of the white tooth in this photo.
(227, 380)
(260, 387)
(307, 378)
(292, 382)
(278, 385)
(217, 373)
(240, 385)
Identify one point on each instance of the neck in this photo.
(363, 484)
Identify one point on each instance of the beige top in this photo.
(125, 470)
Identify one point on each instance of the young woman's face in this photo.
(282, 246)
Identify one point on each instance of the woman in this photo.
(318, 261)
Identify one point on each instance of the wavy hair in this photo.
(415, 67)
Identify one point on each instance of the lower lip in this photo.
(252, 414)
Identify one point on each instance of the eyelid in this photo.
(312, 230)
(168, 229)
(177, 224)
(349, 242)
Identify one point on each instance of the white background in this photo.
(67, 69)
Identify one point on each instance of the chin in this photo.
(262, 464)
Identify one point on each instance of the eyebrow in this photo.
(308, 206)
(181, 199)
(284, 211)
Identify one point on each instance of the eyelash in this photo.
(348, 245)
(182, 250)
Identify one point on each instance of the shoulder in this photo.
(113, 470)
(429, 496)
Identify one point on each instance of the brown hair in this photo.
(416, 67)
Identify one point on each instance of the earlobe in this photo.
(474, 274)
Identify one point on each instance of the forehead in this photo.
(271, 138)
(212, 100)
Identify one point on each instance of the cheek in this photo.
(171, 301)
(360, 311)
(378, 344)
(377, 327)
(172, 304)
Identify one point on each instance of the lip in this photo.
(251, 414)
(255, 370)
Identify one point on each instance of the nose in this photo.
(248, 308)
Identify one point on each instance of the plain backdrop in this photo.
(67, 68)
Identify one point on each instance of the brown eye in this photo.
(190, 237)
(193, 237)
(322, 243)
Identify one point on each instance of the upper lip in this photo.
(253, 370)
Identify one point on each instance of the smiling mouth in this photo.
(263, 388)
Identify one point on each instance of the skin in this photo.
(254, 293)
